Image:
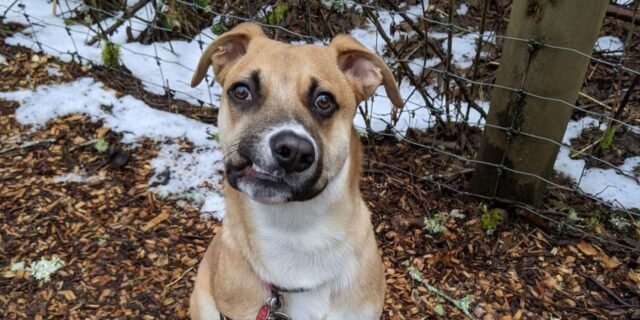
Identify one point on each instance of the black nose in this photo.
(292, 152)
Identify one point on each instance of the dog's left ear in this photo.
(366, 68)
(226, 50)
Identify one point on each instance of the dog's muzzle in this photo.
(277, 165)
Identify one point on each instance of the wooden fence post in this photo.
(513, 159)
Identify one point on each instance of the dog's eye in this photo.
(324, 102)
(241, 92)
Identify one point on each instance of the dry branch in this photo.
(441, 55)
(27, 145)
(403, 64)
(623, 13)
(127, 15)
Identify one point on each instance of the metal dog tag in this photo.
(277, 315)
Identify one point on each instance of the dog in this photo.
(297, 241)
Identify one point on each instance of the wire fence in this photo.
(443, 103)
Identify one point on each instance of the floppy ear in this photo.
(366, 68)
(226, 50)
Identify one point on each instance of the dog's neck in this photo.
(273, 237)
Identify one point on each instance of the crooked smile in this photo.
(253, 171)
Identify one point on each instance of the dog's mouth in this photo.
(253, 171)
(268, 185)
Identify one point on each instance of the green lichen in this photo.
(338, 5)
(415, 274)
(435, 224)
(491, 220)
(620, 223)
(43, 269)
(18, 266)
(573, 216)
(439, 310)
(111, 54)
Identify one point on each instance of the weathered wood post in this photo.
(532, 68)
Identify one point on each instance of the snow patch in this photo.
(196, 175)
(611, 45)
(623, 2)
(213, 207)
(606, 184)
(462, 9)
(419, 65)
(127, 114)
(53, 71)
(463, 47)
(188, 171)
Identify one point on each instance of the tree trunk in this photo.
(542, 71)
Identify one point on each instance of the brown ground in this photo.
(132, 254)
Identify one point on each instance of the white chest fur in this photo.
(307, 245)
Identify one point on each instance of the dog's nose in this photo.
(292, 152)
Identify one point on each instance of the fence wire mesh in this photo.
(443, 98)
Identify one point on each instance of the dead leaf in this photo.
(587, 249)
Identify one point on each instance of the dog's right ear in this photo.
(226, 50)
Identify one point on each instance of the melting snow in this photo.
(611, 45)
(194, 172)
(607, 184)
(462, 9)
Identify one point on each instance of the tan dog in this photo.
(296, 226)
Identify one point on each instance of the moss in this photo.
(607, 138)
(277, 15)
(202, 3)
(219, 29)
(491, 220)
(101, 145)
(593, 220)
(415, 274)
(111, 54)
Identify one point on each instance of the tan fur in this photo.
(228, 277)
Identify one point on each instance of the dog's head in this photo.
(286, 112)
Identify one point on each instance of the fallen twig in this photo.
(462, 305)
(27, 145)
(607, 290)
(166, 288)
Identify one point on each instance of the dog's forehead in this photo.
(278, 59)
